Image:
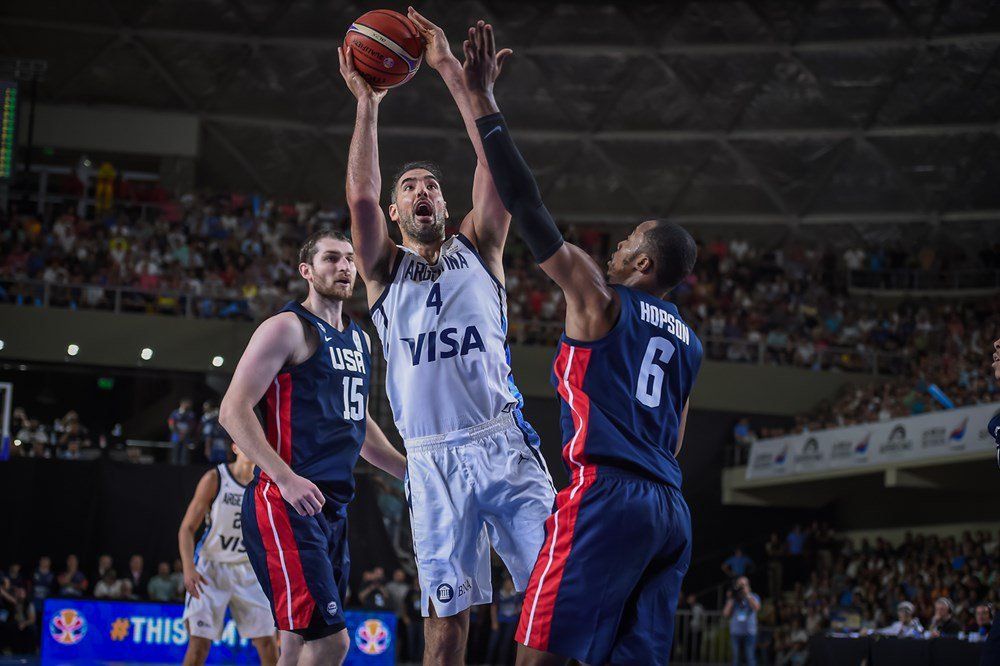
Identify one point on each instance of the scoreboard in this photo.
(8, 128)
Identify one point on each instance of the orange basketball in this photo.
(386, 47)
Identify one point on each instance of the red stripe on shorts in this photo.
(535, 625)
(293, 605)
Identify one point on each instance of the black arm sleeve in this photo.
(517, 188)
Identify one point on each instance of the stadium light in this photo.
(17, 442)
(73, 350)
(218, 361)
(146, 354)
(1, 345)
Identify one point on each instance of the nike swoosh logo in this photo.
(327, 338)
(498, 128)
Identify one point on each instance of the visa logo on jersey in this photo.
(433, 346)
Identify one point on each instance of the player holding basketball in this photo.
(217, 572)
(606, 583)
(313, 364)
(475, 475)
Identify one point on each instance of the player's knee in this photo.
(197, 650)
(267, 649)
(444, 636)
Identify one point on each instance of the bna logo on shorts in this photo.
(445, 592)
(331, 608)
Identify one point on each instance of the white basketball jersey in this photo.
(222, 540)
(444, 336)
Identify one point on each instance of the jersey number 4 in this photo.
(650, 385)
(434, 298)
(354, 401)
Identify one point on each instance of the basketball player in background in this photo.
(475, 474)
(217, 572)
(313, 363)
(991, 651)
(607, 580)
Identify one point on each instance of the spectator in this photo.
(136, 577)
(979, 630)
(906, 626)
(743, 437)
(373, 595)
(43, 582)
(110, 586)
(737, 564)
(774, 549)
(104, 563)
(695, 630)
(23, 637)
(741, 611)
(504, 614)
(943, 623)
(161, 587)
(72, 582)
(213, 435)
(182, 423)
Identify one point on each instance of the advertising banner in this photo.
(88, 630)
(875, 445)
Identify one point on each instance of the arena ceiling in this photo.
(765, 111)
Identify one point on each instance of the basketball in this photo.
(386, 48)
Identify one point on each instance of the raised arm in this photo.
(273, 344)
(373, 248)
(488, 221)
(591, 306)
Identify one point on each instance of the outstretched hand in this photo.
(482, 64)
(355, 82)
(436, 49)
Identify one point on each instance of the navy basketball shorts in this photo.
(301, 562)
(606, 583)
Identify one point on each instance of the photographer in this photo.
(991, 651)
(741, 609)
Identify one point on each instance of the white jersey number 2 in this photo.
(354, 401)
(650, 384)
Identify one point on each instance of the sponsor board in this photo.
(105, 631)
(927, 436)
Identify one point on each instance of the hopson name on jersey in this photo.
(663, 319)
(433, 346)
(419, 271)
(351, 360)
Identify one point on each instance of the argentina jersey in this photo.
(316, 411)
(622, 396)
(443, 329)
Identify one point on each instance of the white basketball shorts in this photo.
(235, 586)
(469, 489)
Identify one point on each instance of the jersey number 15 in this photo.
(650, 385)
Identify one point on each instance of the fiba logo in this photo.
(372, 637)
(388, 63)
(445, 592)
(331, 608)
(68, 627)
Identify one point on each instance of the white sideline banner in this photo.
(938, 434)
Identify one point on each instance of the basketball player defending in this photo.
(475, 475)
(313, 363)
(217, 572)
(606, 583)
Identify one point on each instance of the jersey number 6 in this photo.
(650, 384)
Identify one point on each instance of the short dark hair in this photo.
(672, 250)
(308, 250)
(430, 166)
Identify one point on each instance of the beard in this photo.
(332, 290)
(420, 232)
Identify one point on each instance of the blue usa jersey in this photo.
(622, 396)
(315, 411)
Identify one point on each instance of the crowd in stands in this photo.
(816, 581)
(23, 592)
(65, 438)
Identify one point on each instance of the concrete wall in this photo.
(109, 129)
